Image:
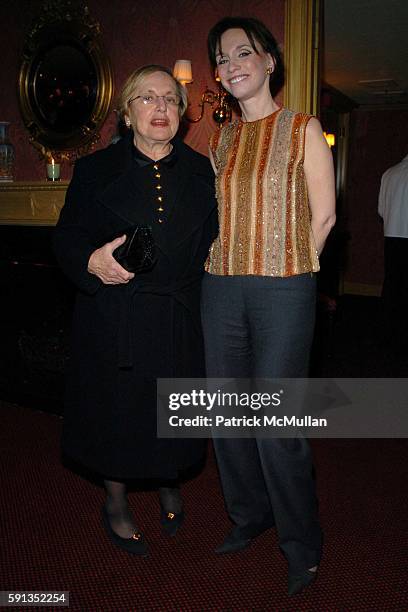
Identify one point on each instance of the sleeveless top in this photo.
(264, 213)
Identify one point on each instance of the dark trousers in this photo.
(395, 302)
(262, 327)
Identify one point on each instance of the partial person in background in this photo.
(131, 328)
(393, 208)
(275, 191)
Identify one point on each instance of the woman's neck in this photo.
(154, 150)
(254, 109)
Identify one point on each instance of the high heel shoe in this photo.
(136, 544)
(298, 582)
(239, 539)
(171, 521)
(234, 542)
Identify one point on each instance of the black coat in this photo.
(125, 336)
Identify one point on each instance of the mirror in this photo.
(65, 82)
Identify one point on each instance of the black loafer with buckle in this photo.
(171, 521)
(135, 545)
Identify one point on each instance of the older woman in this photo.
(128, 328)
(275, 188)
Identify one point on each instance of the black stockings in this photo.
(170, 497)
(117, 505)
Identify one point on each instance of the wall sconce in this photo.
(330, 139)
(182, 71)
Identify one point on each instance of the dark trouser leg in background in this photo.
(395, 303)
(263, 327)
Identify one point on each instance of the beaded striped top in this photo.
(264, 212)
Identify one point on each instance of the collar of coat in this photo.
(142, 160)
(108, 164)
(116, 187)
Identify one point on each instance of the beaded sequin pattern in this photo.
(261, 189)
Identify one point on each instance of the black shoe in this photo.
(136, 545)
(236, 540)
(171, 522)
(233, 542)
(298, 582)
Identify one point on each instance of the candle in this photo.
(53, 171)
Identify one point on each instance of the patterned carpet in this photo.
(51, 535)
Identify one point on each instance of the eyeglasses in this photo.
(152, 99)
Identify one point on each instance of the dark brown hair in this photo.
(256, 31)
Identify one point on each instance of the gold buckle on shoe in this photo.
(136, 536)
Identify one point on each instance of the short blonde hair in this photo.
(136, 78)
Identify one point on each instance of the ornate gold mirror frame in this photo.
(65, 80)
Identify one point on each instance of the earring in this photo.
(127, 123)
(269, 70)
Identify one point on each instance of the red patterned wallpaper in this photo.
(134, 33)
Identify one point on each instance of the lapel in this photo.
(195, 197)
(117, 188)
(119, 192)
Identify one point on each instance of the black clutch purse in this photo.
(138, 252)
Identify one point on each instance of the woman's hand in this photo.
(104, 265)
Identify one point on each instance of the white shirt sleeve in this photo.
(381, 199)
